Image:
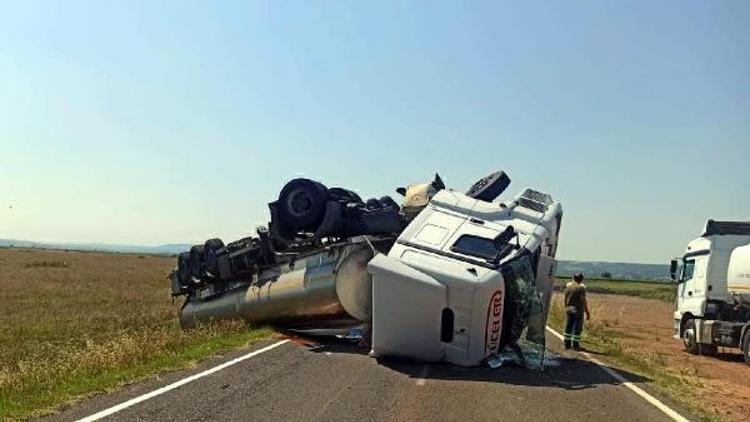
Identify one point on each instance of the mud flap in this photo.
(407, 306)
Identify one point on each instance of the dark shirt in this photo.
(575, 297)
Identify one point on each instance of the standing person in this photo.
(575, 307)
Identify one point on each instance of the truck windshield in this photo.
(525, 311)
(687, 270)
(471, 245)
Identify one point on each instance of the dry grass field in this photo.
(75, 323)
(635, 333)
(665, 292)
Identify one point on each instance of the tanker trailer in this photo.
(326, 288)
(457, 281)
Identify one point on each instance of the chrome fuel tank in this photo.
(328, 285)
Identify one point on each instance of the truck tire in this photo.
(490, 187)
(387, 201)
(183, 268)
(340, 194)
(691, 343)
(689, 339)
(746, 347)
(210, 262)
(213, 244)
(372, 204)
(302, 203)
(196, 264)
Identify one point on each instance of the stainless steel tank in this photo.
(328, 285)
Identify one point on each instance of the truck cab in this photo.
(466, 278)
(712, 306)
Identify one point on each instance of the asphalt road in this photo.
(339, 382)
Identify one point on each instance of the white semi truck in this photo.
(713, 289)
(448, 276)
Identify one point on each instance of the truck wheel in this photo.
(689, 338)
(302, 204)
(340, 194)
(196, 263)
(746, 347)
(210, 262)
(183, 267)
(490, 187)
(372, 204)
(691, 344)
(213, 244)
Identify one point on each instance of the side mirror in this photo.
(504, 237)
(673, 270)
(502, 245)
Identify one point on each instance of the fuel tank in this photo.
(331, 285)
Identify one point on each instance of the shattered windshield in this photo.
(524, 316)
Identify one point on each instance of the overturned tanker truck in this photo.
(445, 276)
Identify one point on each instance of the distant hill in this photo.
(619, 270)
(169, 249)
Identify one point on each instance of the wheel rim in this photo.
(300, 203)
(688, 337)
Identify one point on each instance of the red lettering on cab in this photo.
(494, 323)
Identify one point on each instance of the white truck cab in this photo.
(466, 278)
(713, 289)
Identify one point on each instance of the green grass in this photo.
(39, 395)
(663, 291)
(92, 324)
(682, 388)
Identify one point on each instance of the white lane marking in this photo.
(152, 394)
(423, 375)
(646, 396)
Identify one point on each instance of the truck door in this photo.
(685, 282)
(691, 290)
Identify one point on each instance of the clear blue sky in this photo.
(146, 124)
